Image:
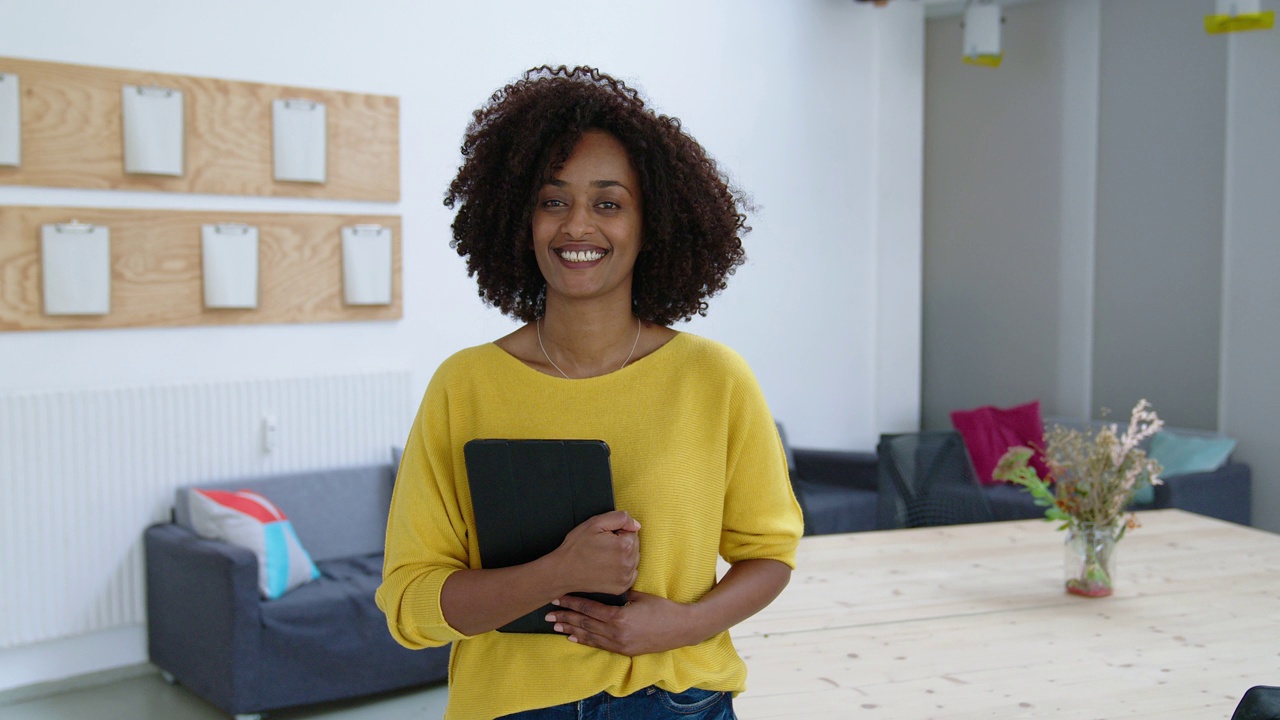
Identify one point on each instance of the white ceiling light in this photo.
(982, 33)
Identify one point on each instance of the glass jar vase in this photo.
(1090, 558)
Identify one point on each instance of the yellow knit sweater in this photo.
(696, 460)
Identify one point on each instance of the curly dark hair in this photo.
(524, 133)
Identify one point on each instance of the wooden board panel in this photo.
(73, 136)
(156, 277)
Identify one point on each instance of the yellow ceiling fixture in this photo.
(982, 33)
(1238, 16)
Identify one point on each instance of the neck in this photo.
(588, 340)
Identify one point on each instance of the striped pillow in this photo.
(249, 520)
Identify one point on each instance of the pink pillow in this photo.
(989, 431)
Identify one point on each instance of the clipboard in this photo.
(366, 264)
(527, 495)
(75, 261)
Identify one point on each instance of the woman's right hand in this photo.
(601, 555)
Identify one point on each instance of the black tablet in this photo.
(527, 495)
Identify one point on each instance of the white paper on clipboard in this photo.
(153, 130)
(229, 255)
(76, 264)
(299, 140)
(10, 121)
(366, 265)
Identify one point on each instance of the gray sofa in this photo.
(839, 492)
(210, 631)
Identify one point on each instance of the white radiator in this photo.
(82, 473)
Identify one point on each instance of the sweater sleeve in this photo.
(762, 518)
(426, 531)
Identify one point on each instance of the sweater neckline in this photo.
(641, 363)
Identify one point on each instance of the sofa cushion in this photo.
(336, 513)
(786, 449)
(328, 640)
(990, 431)
(834, 509)
(249, 520)
(1012, 502)
(1181, 454)
(343, 595)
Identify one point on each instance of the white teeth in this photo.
(582, 255)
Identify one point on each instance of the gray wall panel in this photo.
(1251, 387)
(1158, 273)
(993, 217)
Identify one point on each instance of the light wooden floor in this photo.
(148, 697)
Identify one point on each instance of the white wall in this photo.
(807, 104)
(898, 247)
(1250, 392)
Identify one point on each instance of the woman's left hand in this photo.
(646, 624)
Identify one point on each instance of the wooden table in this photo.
(972, 621)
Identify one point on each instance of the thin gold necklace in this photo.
(538, 325)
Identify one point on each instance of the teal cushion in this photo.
(1145, 495)
(1184, 454)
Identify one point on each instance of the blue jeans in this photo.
(651, 703)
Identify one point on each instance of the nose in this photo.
(579, 223)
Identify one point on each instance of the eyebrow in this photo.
(594, 183)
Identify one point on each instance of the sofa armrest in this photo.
(840, 468)
(1225, 493)
(203, 612)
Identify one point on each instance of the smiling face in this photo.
(587, 223)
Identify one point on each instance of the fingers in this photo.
(616, 521)
(641, 626)
(601, 555)
(585, 629)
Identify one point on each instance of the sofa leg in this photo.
(168, 677)
(249, 716)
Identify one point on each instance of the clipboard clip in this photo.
(300, 104)
(75, 226)
(232, 229)
(155, 91)
(367, 229)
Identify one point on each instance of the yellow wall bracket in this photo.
(1218, 24)
(983, 60)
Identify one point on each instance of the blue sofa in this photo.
(838, 491)
(210, 631)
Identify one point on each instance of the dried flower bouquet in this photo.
(1092, 479)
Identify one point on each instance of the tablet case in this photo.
(527, 495)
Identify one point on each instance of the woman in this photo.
(597, 223)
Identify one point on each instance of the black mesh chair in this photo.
(926, 479)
